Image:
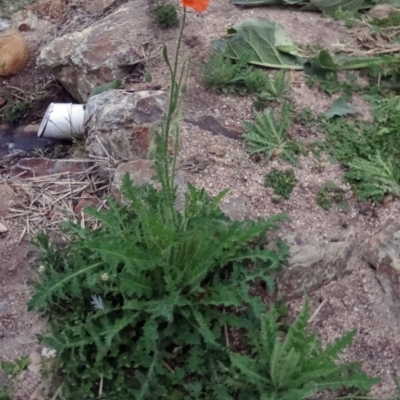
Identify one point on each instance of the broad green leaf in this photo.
(339, 108)
(321, 65)
(264, 42)
(343, 62)
(115, 84)
(330, 6)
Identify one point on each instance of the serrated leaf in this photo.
(339, 108)
(263, 42)
(97, 302)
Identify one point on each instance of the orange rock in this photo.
(14, 55)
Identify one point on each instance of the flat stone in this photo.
(4, 24)
(3, 228)
(141, 172)
(382, 11)
(101, 53)
(36, 167)
(212, 124)
(8, 198)
(118, 123)
(383, 255)
(313, 265)
(86, 200)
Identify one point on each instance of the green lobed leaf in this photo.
(264, 42)
(339, 108)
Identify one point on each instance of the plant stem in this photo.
(174, 96)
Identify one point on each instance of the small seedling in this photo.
(331, 194)
(383, 177)
(165, 15)
(220, 73)
(370, 151)
(12, 370)
(14, 111)
(275, 89)
(268, 136)
(282, 182)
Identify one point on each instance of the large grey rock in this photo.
(118, 123)
(313, 265)
(384, 256)
(100, 53)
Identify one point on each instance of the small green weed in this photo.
(383, 177)
(282, 182)
(220, 73)
(276, 89)
(331, 85)
(331, 194)
(165, 15)
(307, 117)
(357, 143)
(350, 18)
(267, 136)
(13, 111)
(278, 361)
(12, 370)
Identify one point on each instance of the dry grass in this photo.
(47, 201)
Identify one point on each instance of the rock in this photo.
(384, 256)
(99, 6)
(100, 53)
(8, 198)
(86, 200)
(25, 20)
(216, 150)
(36, 167)
(35, 362)
(14, 55)
(4, 24)
(212, 124)
(382, 11)
(141, 172)
(3, 228)
(311, 266)
(234, 208)
(117, 123)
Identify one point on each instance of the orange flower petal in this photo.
(197, 5)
